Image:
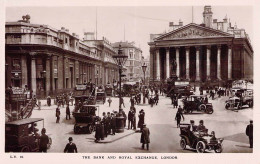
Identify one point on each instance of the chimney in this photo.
(171, 24)
(63, 28)
(180, 23)
(67, 30)
(215, 20)
(207, 16)
(89, 36)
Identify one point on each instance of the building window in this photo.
(66, 40)
(16, 64)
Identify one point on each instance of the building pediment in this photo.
(191, 31)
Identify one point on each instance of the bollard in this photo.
(120, 123)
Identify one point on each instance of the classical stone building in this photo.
(134, 62)
(51, 61)
(212, 51)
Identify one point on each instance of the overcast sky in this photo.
(139, 22)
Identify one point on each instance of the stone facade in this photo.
(51, 61)
(202, 53)
(133, 64)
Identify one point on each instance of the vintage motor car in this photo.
(101, 97)
(238, 103)
(196, 103)
(85, 119)
(109, 90)
(201, 141)
(22, 135)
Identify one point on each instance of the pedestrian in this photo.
(145, 137)
(70, 147)
(44, 140)
(206, 100)
(104, 121)
(176, 103)
(134, 120)
(109, 101)
(132, 101)
(249, 133)
(98, 130)
(122, 101)
(141, 119)
(113, 124)
(49, 100)
(108, 122)
(67, 112)
(178, 116)
(130, 119)
(58, 114)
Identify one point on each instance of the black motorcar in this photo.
(196, 103)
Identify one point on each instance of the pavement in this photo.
(227, 124)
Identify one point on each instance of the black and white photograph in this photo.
(129, 79)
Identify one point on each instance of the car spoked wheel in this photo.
(227, 106)
(209, 110)
(76, 129)
(25, 149)
(219, 148)
(200, 147)
(183, 143)
(202, 107)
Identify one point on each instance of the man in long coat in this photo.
(249, 133)
(145, 137)
(141, 119)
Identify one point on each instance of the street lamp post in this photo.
(144, 70)
(120, 60)
(43, 75)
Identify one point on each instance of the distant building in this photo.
(51, 61)
(134, 62)
(213, 51)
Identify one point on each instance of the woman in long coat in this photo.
(98, 131)
(145, 137)
(141, 119)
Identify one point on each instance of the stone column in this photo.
(24, 71)
(219, 62)
(48, 75)
(187, 49)
(208, 62)
(158, 72)
(197, 63)
(152, 64)
(167, 63)
(178, 61)
(229, 62)
(33, 73)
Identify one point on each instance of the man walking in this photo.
(249, 133)
(70, 147)
(145, 137)
(58, 114)
(130, 119)
(109, 101)
(113, 124)
(67, 112)
(178, 116)
(44, 140)
(49, 100)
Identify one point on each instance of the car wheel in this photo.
(227, 106)
(219, 148)
(183, 143)
(209, 110)
(202, 107)
(200, 147)
(90, 129)
(76, 129)
(25, 149)
(49, 144)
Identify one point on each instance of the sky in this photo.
(128, 23)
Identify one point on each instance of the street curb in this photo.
(103, 141)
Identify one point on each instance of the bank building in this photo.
(214, 51)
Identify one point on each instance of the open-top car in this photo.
(197, 103)
(85, 119)
(201, 141)
(22, 135)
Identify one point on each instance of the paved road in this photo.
(227, 124)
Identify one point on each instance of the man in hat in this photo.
(70, 147)
(201, 127)
(113, 124)
(67, 112)
(141, 119)
(249, 133)
(178, 116)
(98, 130)
(145, 137)
(44, 140)
(104, 122)
(58, 114)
